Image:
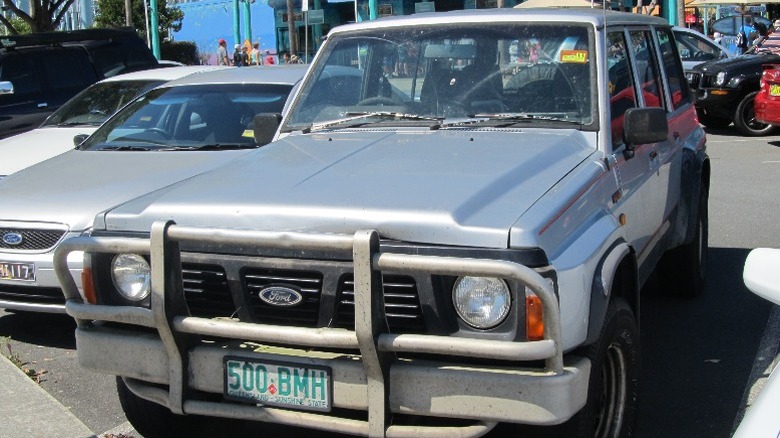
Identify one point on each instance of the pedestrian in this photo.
(285, 58)
(254, 55)
(222, 54)
(239, 56)
(269, 60)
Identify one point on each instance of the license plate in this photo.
(278, 384)
(17, 271)
(774, 89)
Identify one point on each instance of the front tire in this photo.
(153, 420)
(713, 122)
(613, 390)
(745, 118)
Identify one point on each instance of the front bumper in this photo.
(376, 372)
(718, 102)
(44, 293)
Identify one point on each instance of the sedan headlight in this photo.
(720, 78)
(481, 302)
(132, 276)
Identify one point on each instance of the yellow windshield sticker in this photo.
(248, 133)
(574, 56)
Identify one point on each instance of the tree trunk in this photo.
(129, 12)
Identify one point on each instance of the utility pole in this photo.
(128, 13)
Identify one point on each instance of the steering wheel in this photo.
(160, 132)
(379, 100)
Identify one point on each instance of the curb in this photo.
(28, 410)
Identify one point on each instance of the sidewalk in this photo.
(26, 410)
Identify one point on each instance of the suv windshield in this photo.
(534, 71)
(196, 117)
(98, 102)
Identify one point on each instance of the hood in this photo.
(24, 150)
(73, 187)
(454, 187)
(736, 64)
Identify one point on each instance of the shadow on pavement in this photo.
(46, 329)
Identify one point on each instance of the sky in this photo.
(206, 21)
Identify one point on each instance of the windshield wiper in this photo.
(127, 148)
(355, 115)
(507, 119)
(213, 147)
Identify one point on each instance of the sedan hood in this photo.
(24, 150)
(73, 187)
(455, 187)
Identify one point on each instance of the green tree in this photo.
(111, 13)
(44, 16)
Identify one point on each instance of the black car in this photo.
(40, 72)
(725, 90)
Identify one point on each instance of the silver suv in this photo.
(451, 232)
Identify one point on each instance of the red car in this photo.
(767, 101)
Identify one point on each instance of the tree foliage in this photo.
(111, 13)
(44, 16)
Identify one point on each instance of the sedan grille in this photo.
(31, 240)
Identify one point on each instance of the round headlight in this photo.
(720, 78)
(481, 302)
(132, 276)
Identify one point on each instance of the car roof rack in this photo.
(55, 38)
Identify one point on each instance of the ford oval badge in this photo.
(280, 296)
(12, 239)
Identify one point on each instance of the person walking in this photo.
(254, 55)
(222, 54)
(239, 56)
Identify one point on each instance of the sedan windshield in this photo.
(99, 102)
(397, 76)
(194, 117)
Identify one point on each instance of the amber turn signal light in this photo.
(534, 318)
(88, 286)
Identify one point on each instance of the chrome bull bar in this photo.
(168, 308)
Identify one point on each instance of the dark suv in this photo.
(40, 72)
(725, 90)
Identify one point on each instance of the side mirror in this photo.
(79, 138)
(761, 275)
(6, 87)
(265, 126)
(642, 126)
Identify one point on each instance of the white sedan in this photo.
(83, 114)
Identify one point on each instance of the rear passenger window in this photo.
(647, 69)
(66, 71)
(621, 84)
(678, 85)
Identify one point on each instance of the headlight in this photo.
(481, 302)
(720, 79)
(132, 276)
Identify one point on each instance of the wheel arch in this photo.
(616, 276)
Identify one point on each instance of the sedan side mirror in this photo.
(642, 126)
(79, 138)
(265, 126)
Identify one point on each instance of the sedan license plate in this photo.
(774, 89)
(17, 271)
(278, 384)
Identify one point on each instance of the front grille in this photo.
(307, 283)
(31, 294)
(402, 304)
(693, 79)
(31, 239)
(706, 81)
(206, 291)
